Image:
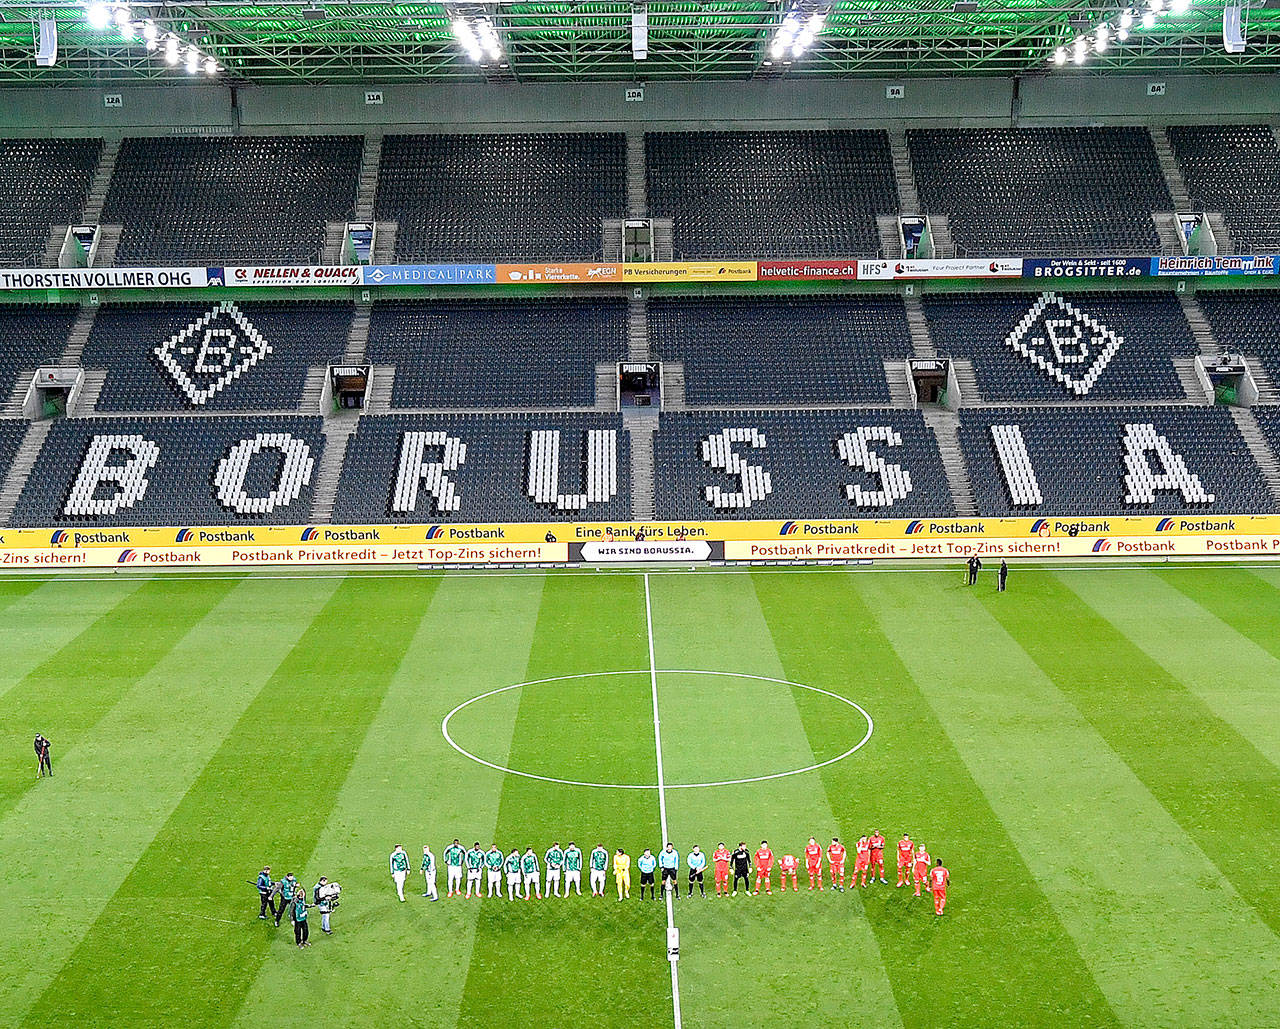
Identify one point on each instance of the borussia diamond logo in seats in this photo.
(212, 352)
(1064, 343)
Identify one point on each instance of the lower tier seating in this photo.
(31, 335)
(1246, 322)
(798, 464)
(174, 471)
(1110, 461)
(11, 432)
(486, 468)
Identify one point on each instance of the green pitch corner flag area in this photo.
(1095, 758)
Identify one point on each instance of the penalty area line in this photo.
(662, 801)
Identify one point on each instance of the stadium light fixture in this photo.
(1179, 7)
(171, 50)
(210, 66)
(797, 31)
(1126, 19)
(1148, 20)
(1079, 51)
(193, 60)
(1060, 56)
(99, 16)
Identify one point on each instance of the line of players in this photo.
(563, 870)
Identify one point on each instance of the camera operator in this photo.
(326, 896)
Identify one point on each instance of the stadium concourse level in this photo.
(229, 200)
(212, 357)
(1010, 192)
(1110, 460)
(489, 197)
(43, 182)
(781, 351)
(771, 194)
(497, 353)
(1234, 169)
(1246, 322)
(30, 335)
(1028, 347)
(498, 467)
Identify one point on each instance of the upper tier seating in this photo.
(1246, 322)
(780, 351)
(1072, 461)
(223, 200)
(1099, 346)
(11, 432)
(174, 471)
(497, 353)
(30, 336)
(1269, 421)
(1234, 169)
(43, 182)
(771, 194)
(212, 356)
(486, 468)
(1042, 191)
(798, 464)
(485, 197)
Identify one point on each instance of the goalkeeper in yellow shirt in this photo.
(622, 874)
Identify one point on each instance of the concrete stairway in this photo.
(358, 335)
(908, 198)
(384, 242)
(641, 429)
(335, 235)
(12, 407)
(91, 383)
(664, 248)
(337, 435)
(368, 184)
(79, 334)
(1259, 448)
(381, 381)
(673, 385)
(890, 237)
(944, 247)
(23, 462)
(918, 326)
(1166, 224)
(1267, 391)
(637, 198)
(606, 386)
(108, 243)
(901, 393)
(1186, 369)
(313, 390)
(1221, 234)
(637, 327)
(53, 246)
(1169, 167)
(1200, 327)
(101, 182)
(945, 426)
(967, 382)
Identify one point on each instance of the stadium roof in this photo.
(348, 41)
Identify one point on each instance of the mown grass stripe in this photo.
(1238, 680)
(725, 729)
(1214, 783)
(910, 777)
(283, 762)
(408, 786)
(581, 960)
(74, 687)
(1247, 600)
(121, 783)
(1165, 936)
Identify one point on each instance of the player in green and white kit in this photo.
(493, 862)
(529, 869)
(475, 865)
(555, 862)
(429, 873)
(572, 868)
(399, 869)
(599, 865)
(512, 868)
(453, 855)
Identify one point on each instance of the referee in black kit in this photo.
(44, 766)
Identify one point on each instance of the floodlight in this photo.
(171, 49)
(99, 16)
(1060, 56)
(1157, 6)
(1078, 54)
(1126, 20)
(122, 17)
(1148, 20)
(193, 60)
(1100, 44)
(1122, 35)
(149, 32)
(1179, 6)
(210, 66)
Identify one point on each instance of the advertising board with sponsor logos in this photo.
(598, 543)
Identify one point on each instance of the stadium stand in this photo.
(781, 351)
(174, 471)
(1024, 347)
(1246, 322)
(223, 200)
(31, 335)
(212, 356)
(1074, 460)
(771, 194)
(43, 182)
(487, 197)
(1010, 192)
(1234, 169)
(497, 353)
(11, 432)
(486, 468)
(798, 464)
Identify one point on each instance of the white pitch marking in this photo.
(662, 800)
(444, 729)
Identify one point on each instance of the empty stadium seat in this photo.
(1042, 191)
(771, 194)
(781, 350)
(1246, 322)
(11, 432)
(229, 199)
(31, 335)
(43, 182)
(1234, 169)
(501, 197)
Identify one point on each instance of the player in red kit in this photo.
(905, 851)
(877, 855)
(721, 860)
(863, 860)
(764, 868)
(835, 857)
(813, 862)
(939, 877)
(919, 867)
(789, 864)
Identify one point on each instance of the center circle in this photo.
(646, 673)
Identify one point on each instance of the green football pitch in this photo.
(1094, 754)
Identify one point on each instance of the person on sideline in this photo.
(1002, 575)
(266, 897)
(300, 929)
(622, 874)
(399, 869)
(429, 873)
